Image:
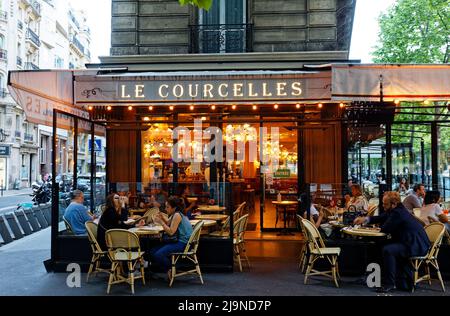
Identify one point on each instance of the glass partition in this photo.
(444, 162)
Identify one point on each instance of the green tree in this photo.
(417, 31)
(202, 4)
(414, 31)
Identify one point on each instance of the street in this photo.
(8, 203)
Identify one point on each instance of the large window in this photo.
(222, 29)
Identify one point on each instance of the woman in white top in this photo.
(357, 200)
(431, 211)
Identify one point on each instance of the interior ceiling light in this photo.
(109, 108)
(150, 108)
(297, 105)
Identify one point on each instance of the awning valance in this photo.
(356, 82)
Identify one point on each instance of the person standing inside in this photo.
(408, 240)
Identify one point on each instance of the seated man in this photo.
(76, 213)
(413, 200)
(408, 240)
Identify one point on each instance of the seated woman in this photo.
(357, 200)
(316, 217)
(431, 211)
(176, 225)
(111, 218)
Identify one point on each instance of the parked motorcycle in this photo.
(42, 192)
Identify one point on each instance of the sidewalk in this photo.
(22, 272)
(24, 191)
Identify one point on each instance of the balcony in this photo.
(36, 7)
(33, 38)
(74, 20)
(18, 134)
(3, 54)
(3, 92)
(71, 66)
(28, 137)
(3, 16)
(31, 66)
(19, 61)
(20, 25)
(221, 38)
(77, 44)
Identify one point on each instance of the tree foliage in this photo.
(414, 31)
(202, 4)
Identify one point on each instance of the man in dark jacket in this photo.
(408, 239)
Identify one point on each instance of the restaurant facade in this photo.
(231, 115)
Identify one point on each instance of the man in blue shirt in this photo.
(76, 213)
(413, 200)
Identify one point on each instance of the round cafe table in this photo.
(285, 205)
(211, 208)
(214, 217)
(147, 230)
(363, 232)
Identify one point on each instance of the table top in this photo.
(206, 222)
(363, 231)
(211, 208)
(214, 217)
(285, 202)
(147, 230)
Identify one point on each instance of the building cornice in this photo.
(242, 61)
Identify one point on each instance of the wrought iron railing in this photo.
(74, 20)
(36, 7)
(3, 92)
(31, 66)
(18, 134)
(221, 38)
(20, 25)
(28, 137)
(3, 54)
(33, 37)
(71, 66)
(19, 61)
(77, 44)
(3, 15)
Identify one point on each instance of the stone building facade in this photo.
(34, 34)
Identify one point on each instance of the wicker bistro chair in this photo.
(97, 252)
(68, 226)
(435, 232)
(372, 209)
(318, 250)
(303, 252)
(225, 229)
(123, 247)
(239, 241)
(240, 210)
(189, 253)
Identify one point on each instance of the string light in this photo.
(234, 107)
(191, 108)
(320, 105)
(397, 102)
(90, 108)
(275, 106)
(341, 105)
(255, 107)
(130, 108)
(150, 108)
(109, 108)
(171, 107)
(213, 107)
(297, 105)
(203, 118)
(426, 102)
(146, 118)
